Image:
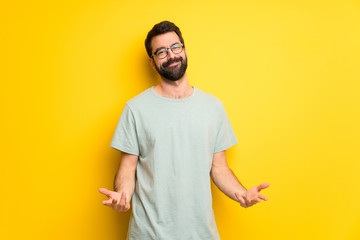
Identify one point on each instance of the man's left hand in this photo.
(252, 196)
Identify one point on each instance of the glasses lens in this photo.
(161, 53)
(176, 48)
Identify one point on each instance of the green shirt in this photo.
(175, 140)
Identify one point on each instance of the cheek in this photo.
(156, 64)
(161, 64)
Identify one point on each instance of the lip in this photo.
(173, 64)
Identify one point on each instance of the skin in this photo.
(221, 174)
(124, 184)
(166, 88)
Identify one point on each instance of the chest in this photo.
(176, 125)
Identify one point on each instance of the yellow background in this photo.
(286, 71)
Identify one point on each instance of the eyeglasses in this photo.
(163, 52)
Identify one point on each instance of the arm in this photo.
(224, 178)
(226, 181)
(125, 177)
(124, 184)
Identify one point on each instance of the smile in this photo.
(173, 64)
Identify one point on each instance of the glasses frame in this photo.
(167, 50)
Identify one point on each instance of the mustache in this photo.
(165, 64)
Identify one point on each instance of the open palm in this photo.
(252, 196)
(119, 202)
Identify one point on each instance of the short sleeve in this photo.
(125, 137)
(225, 136)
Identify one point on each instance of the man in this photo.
(173, 137)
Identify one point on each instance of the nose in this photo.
(170, 54)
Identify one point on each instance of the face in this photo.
(173, 66)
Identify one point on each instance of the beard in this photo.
(172, 73)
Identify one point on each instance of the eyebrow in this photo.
(165, 47)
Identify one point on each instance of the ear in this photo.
(152, 63)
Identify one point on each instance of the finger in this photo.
(262, 197)
(105, 191)
(127, 200)
(116, 204)
(256, 200)
(240, 199)
(127, 205)
(247, 201)
(115, 201)
(108, 202)
(237, 196)
(123, 199)
(263, 186)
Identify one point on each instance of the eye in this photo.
(161, 52)
(176, 46)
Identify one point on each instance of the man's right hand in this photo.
(119, 202)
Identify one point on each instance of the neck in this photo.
(174, 89)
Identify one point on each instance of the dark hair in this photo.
(161, 28)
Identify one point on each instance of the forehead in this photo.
(164, 40)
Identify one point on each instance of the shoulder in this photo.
(209, 98)
(139, 99)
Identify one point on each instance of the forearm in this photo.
(125, 177)
(124, 182)
(226, 181)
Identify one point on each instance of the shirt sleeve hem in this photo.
(124, 149)
(225, 147)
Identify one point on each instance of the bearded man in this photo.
(173, 138)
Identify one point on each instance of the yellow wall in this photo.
(286, 71)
